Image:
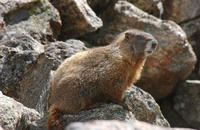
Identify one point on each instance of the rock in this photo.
(98, 6)
(104, 112)
(172, 62)
(37, 17)
(167, 108)
(154, 7)
(24, 70)
(116, 125)
(77, 17)
(144, 107)
(181, 10)
(186, 102)
(192, 29)
(14, 115)
(58, 51)
(18, 52)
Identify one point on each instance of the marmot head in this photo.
(142, 43)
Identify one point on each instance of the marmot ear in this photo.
(127, 35)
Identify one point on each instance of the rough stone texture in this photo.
(192, 29)
(24, 70)
(14, 115)
(18, 52)
(116, 125)
(38, 17)
(77, 17)
(181, 10)
(144, 107)
(104, 112)
(173, 61)
(61, 50)
(186, 102)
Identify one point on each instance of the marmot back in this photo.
(98, 75)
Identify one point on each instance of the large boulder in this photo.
(19, 52)
(174, 59)
(143, 107)
(116, 125)
(14, 115)
(24, 70)
(77, 17)
(181, 10)
(38, 17)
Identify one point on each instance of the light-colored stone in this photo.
(144, 107)
(116, 125)
(14, 115)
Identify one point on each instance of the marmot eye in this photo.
(138, 38)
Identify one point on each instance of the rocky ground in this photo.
(37, 35)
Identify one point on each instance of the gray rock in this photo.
(37, 17)
(18, 52)
(58, 51)
(24, 70)
(25, 67)
(172, 62)
(77, 17)
(144, 107)
(186, 102)
(116, 125)
(14, 115)
(104, 112)
(182, 10)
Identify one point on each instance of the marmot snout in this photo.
(98, 75)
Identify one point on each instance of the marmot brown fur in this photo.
(98, 75)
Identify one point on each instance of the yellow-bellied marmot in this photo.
(98, 75)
